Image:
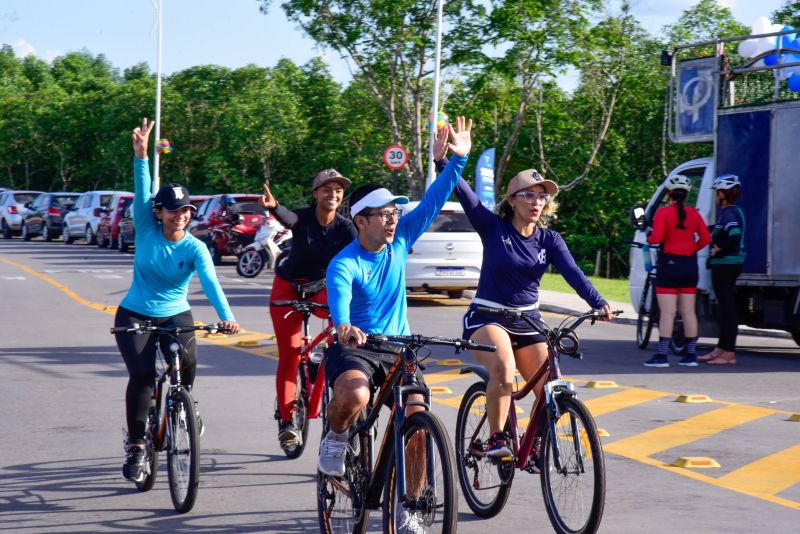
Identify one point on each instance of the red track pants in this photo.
(288, 332)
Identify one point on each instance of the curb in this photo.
(632, 321)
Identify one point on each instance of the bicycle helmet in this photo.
(726, 181)
(678, 181)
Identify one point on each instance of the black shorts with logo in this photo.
(677, 274)
(518, 330)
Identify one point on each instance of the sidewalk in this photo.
(569, 303)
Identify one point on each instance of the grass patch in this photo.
(610, 288)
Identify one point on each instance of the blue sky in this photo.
(232, 33)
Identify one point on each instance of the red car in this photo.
(108, 227)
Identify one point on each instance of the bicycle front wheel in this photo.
(573, 485)
(647, 314)
(484, 487)
(299, 416)
(430, 503)
(340, 501)
(183, 451)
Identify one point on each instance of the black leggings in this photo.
(139, 353)
(723, 278)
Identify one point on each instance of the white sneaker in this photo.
(410, 524)
(330, 460)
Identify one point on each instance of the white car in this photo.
(13, 210)
(448, 256)
(82, 220)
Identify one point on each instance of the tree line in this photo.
(66, 125)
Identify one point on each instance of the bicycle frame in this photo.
(315, 388)
(392, 444)
(173, 372)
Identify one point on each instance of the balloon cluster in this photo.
(756, 47)
(163, 146)
(441, 119)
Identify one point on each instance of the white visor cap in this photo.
(376, 199)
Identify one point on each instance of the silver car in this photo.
(448, 256)
(82, 220)
(12, 210)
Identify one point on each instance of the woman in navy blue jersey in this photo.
(517, 249)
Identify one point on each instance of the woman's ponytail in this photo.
(679, 196)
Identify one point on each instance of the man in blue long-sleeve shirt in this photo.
(366, 293)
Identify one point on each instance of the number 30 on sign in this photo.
(395, 157)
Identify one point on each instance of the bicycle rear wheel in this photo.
(573, 488)
(340, 501)
(183, 451)
(299, 416)
(431, 503)
(648, 313)
(485, 489)
(151, 453)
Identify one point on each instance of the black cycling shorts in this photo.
(374, 360)
(677, 274)
(518, 330)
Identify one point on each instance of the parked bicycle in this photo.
(570, 457)
(414, 465)
(173, 422)
(311, 371)
(648, 306)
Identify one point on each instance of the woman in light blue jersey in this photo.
(166, 259)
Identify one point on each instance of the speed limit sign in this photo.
(395, 157)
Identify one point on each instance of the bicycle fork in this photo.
(552, 391)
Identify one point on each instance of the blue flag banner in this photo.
(484, 178)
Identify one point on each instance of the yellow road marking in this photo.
(620, 400)
(686, 431)
(768, 475)
(70, 293)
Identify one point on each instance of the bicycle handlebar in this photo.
(300, 305)
(148, 327)
(415, 340)
(636, 244)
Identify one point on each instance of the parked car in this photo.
(45, 216)
(127, 231)
(12, 210)
(82, 221)
(108, 227)
(448, 256)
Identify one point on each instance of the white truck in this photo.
(749, 113)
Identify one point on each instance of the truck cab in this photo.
(750, 119)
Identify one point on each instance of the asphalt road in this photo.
(62, 396)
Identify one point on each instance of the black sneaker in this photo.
(498, 446)
(288, 434)
(535, 463)
(133, 469)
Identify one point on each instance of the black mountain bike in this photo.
(173, 422)
(414, 466)
(649, 312)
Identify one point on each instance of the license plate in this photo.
(450, 271)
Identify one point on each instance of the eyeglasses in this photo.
(387, 215)
(532, 196)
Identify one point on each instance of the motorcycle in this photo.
(229, 235)
(272, 240)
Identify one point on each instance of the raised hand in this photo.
(460, 136)
(140, 137)
(267, 201)
(440, 143)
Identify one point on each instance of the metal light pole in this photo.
(159, 9)
(435, 104)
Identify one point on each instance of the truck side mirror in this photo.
(637, 217)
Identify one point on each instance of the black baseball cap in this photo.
(173, 197)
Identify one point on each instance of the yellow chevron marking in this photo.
(768, 475)
(686, 431)
(623, 399)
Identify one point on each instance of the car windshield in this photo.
(64, 201)
(24, 198)
(242, 208)
(451, 221)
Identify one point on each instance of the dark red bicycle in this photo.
(569, 455)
